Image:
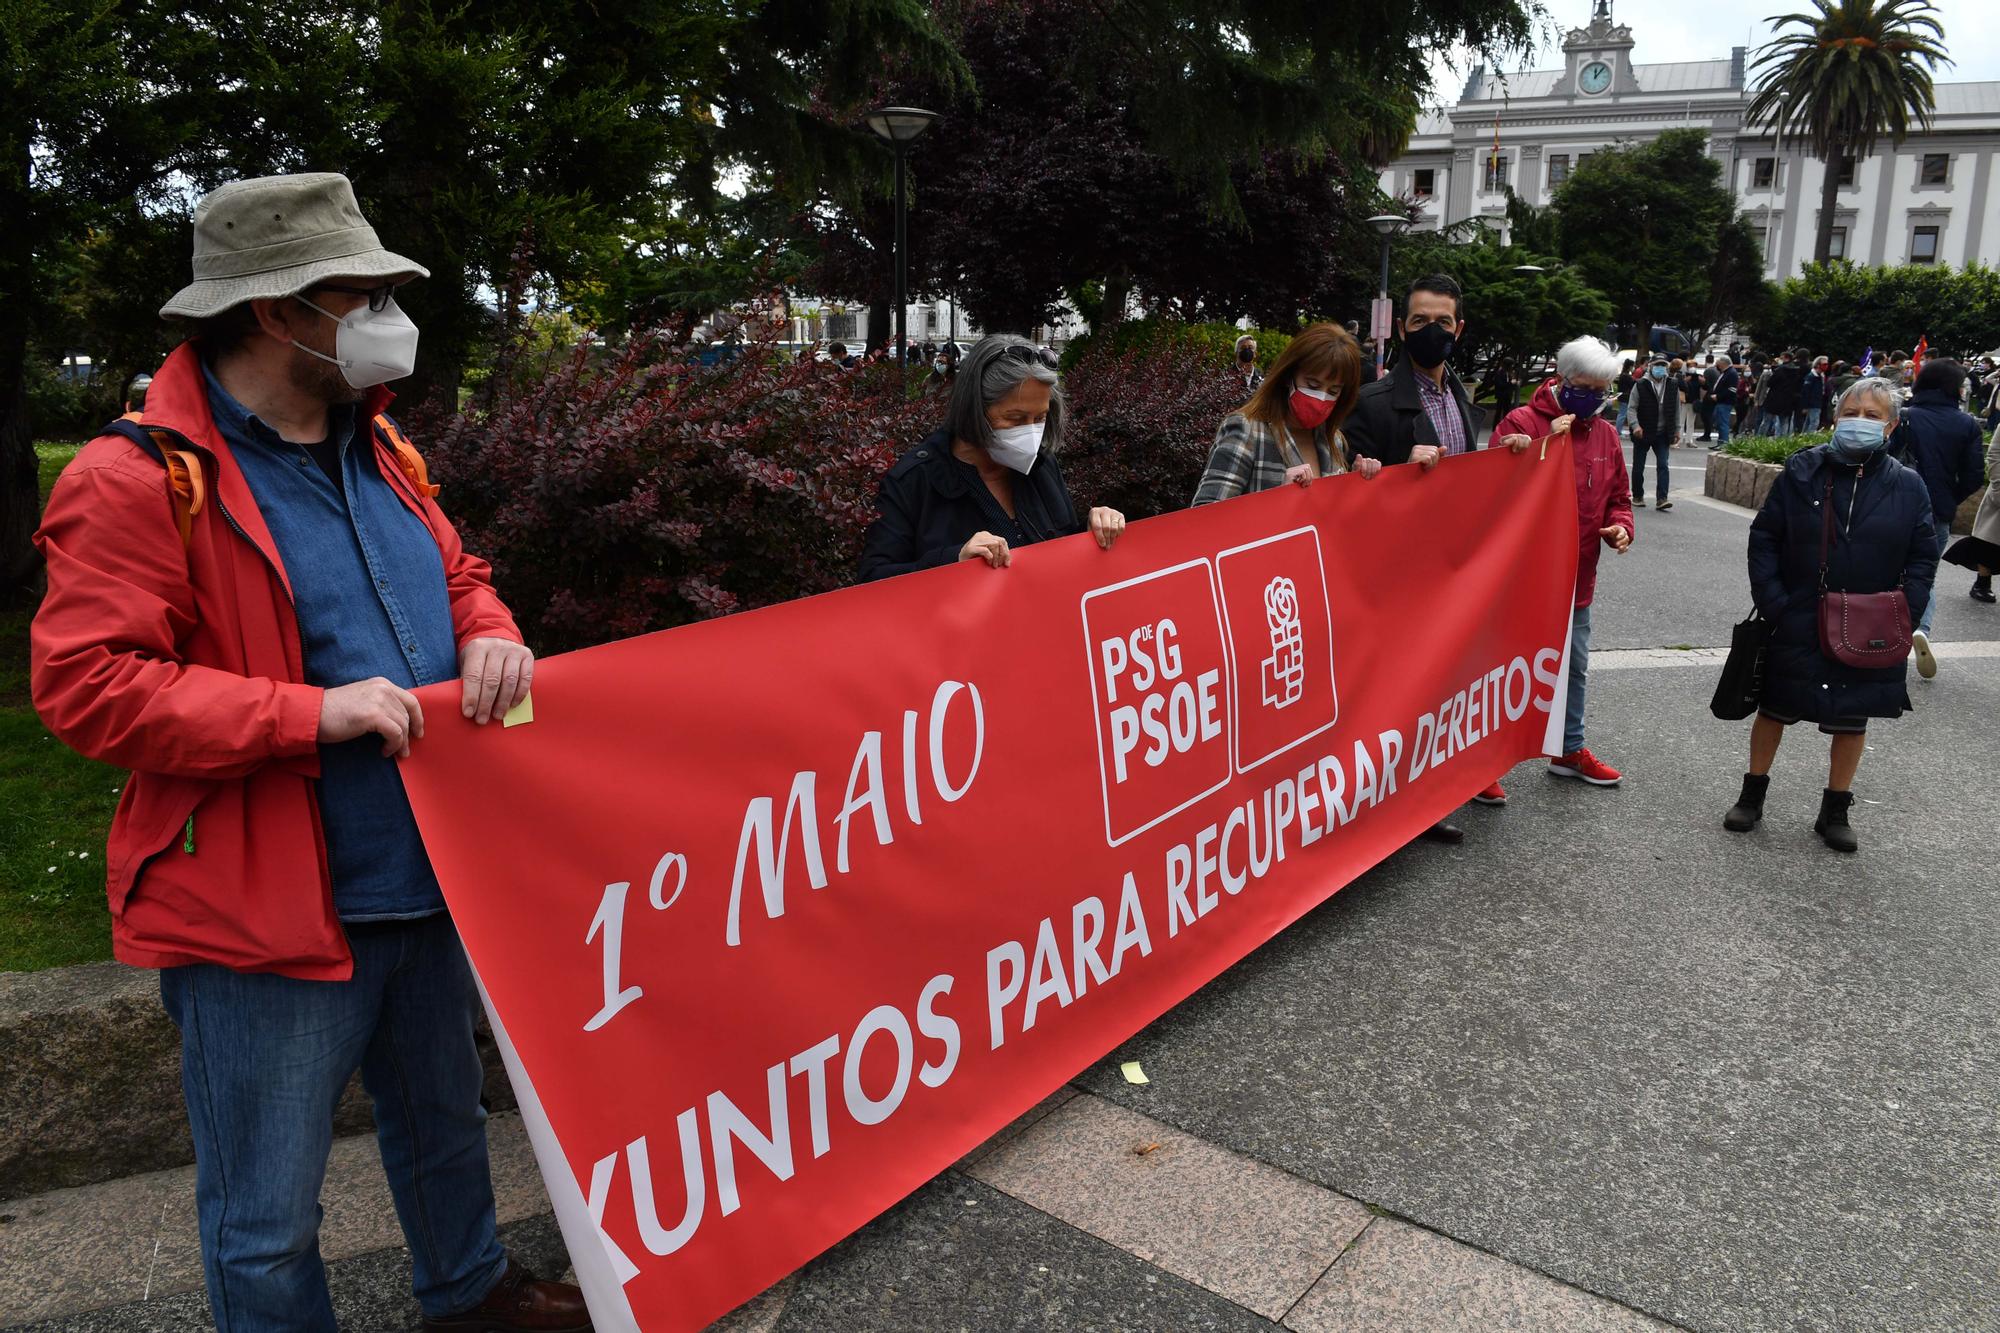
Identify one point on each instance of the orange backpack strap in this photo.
(186, 485)
(407, 456)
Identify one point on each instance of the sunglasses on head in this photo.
(1031, 354)
(378, 297)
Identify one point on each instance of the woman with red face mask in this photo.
(1290, 428)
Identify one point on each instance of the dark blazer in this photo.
(930, 505)
(1943, 444)
(1388, 419)
(1888, 544)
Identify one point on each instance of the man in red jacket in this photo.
(245, 585)
(1585, 369)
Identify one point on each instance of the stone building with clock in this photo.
(1933, 199)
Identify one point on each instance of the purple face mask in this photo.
(1583, 402)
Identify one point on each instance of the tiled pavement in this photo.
(1191, 1236)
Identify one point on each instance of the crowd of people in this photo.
(246, 582)
(1903, 454)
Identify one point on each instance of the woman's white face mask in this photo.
(372, 346)
(1017, 447)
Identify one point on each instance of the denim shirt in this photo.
(368, 585)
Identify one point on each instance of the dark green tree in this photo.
(1846, 74)
(1519, 303)
(1645, 225)
(1842, 310)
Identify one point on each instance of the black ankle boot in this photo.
(1832, 825)
(1749, 807)
(1982, 588)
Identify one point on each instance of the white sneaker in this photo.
(1926, 659)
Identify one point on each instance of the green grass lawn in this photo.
(1773, 449)
(58, 806)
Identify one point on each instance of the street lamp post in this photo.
(1387, 226)
(900, 127)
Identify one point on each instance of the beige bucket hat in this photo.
(274, 236)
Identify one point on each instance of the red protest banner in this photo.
(780, 914)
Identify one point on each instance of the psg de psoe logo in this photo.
(1280, 634)
(1204, 670)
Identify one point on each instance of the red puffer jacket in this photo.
(1603, 487)
(184, 664)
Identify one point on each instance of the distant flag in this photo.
(1867, 360)
(1917, 357)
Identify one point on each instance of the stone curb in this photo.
(93, 1087)
(1745, 482)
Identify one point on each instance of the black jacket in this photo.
(1648, 397)
(1888, 544)
(1388, 418)
(930, 505)
(1787, 383)
(1943, 445)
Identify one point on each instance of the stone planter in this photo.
(1739, 481)
(93, 1086)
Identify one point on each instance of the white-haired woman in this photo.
(1880, 538)
(985, 481)
(1569, 403)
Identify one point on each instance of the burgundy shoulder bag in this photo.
(1859, 629)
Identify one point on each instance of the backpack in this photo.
(188, 486)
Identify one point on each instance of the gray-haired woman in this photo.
(986, 481)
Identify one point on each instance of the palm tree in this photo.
(1849, 73)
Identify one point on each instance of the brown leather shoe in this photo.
(520, 1304)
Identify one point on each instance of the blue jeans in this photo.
(1943, 526)
(1579, 676)
(1723, 411)
(264, 1059)
(1659, 449)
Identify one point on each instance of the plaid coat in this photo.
(1251, 456)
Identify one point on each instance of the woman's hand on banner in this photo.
(985, 546)
(1106, 525)
(1367, 467)
(1300, 476)
(496, 675)
(1516, 443)
(1561, 425)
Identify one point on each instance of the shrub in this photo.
(1773, 448)
(622, 491)
(1215, 342)
(1143, 421)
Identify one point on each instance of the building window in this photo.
(1582, 160)
(841, 326)
(1764, 173)
(1936, 169)
(1759, 234)
(1847, 170)
(1558, 169)
(1496, 172)
(1924, 245)
(1423, 183)
(1838, 248)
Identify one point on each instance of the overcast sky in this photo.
(1706, 29)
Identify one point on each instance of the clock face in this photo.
(1596, 77)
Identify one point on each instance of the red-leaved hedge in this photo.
(618, 491)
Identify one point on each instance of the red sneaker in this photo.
(1493, 795)
(1583, 764)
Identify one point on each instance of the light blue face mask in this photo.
(1857, 439)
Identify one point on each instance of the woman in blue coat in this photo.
(1882, 540)
(986, 481)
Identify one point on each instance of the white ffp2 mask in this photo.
(1017, 446)
(371, 346)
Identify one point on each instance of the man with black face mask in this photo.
(1419, 412)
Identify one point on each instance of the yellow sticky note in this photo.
(521, 714)
(1133, 1074)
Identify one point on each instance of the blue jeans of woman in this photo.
(1579, 678)
(263, 1061)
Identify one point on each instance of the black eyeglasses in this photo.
(378, 297)
(1031, 354)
